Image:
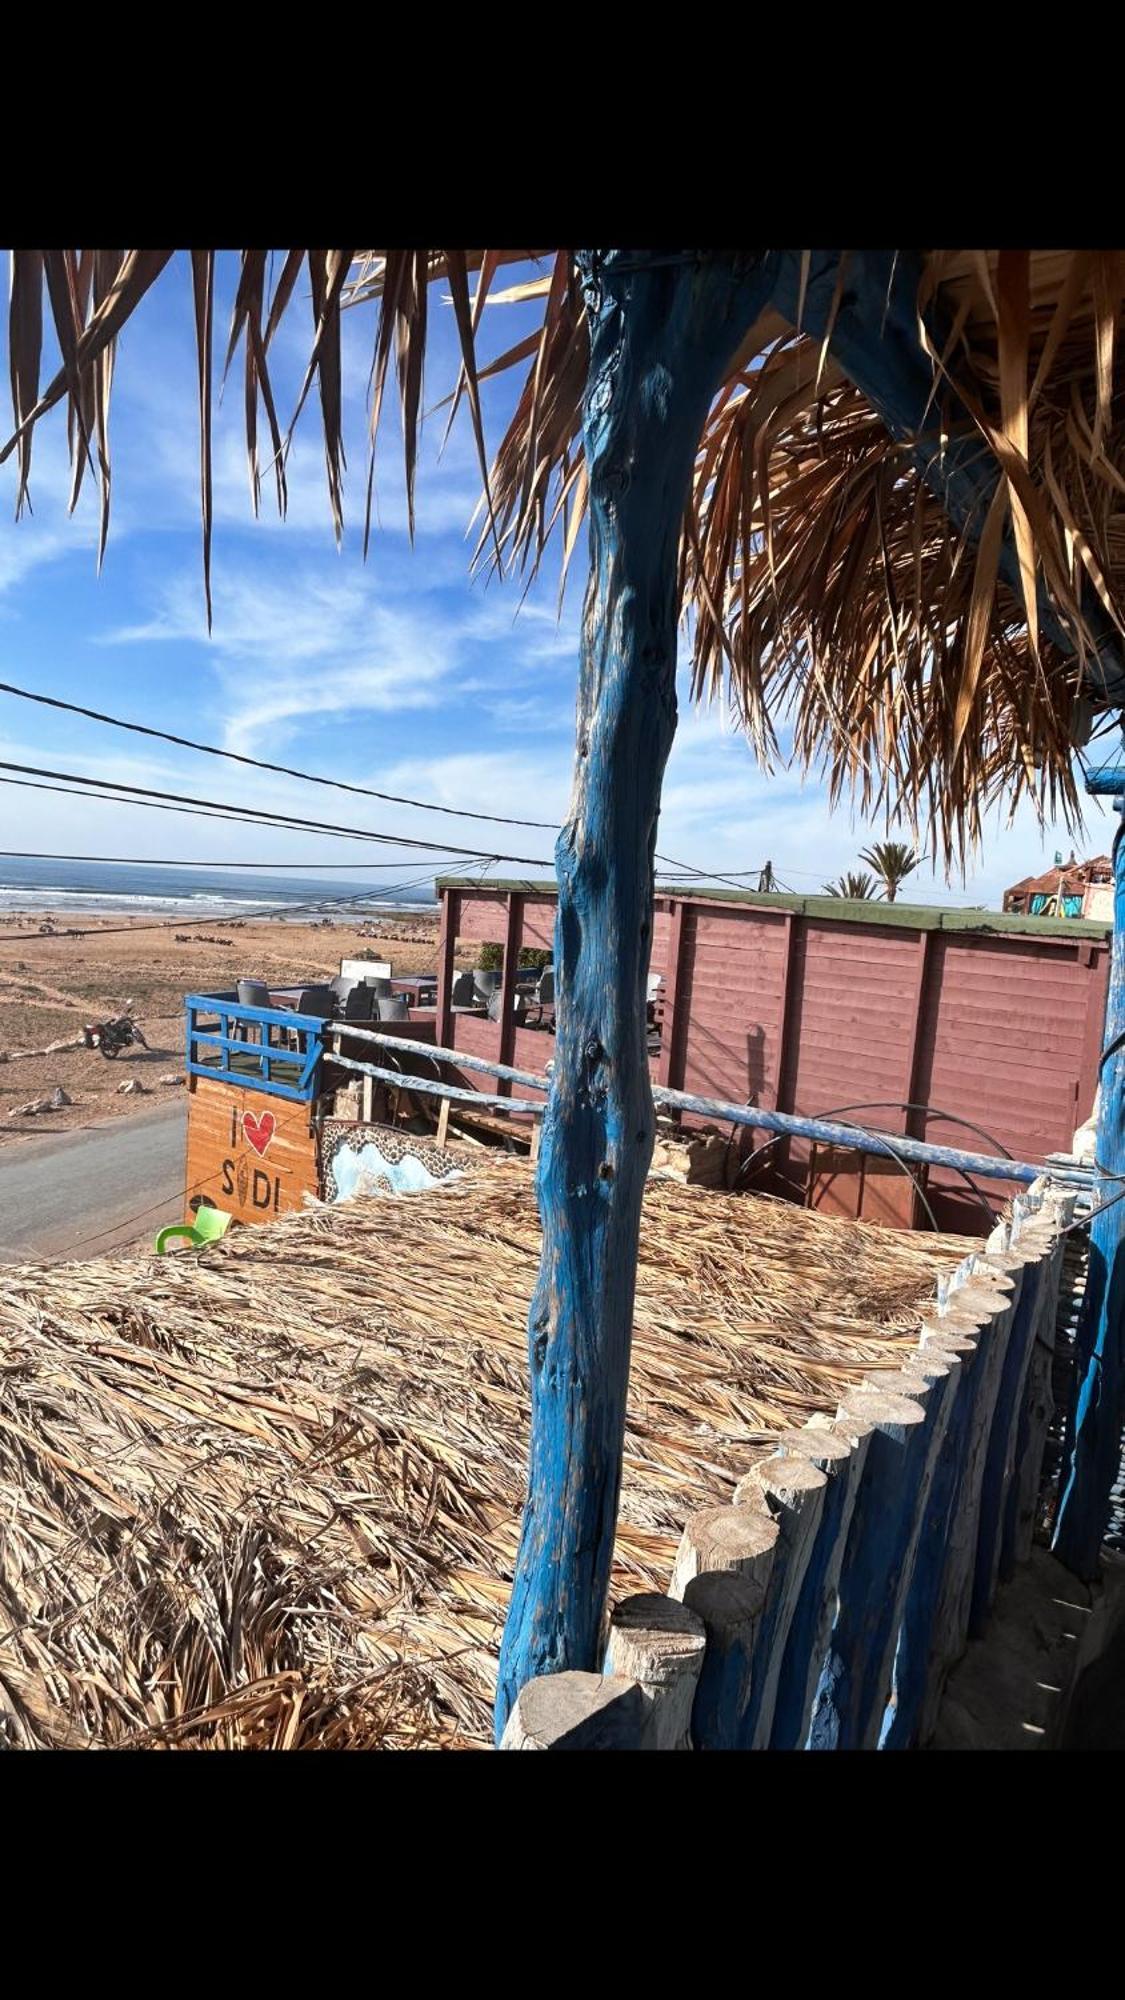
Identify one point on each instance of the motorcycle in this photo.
(110, 1037)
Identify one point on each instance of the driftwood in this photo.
(50, 1049)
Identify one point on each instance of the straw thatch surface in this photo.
(268, 1495)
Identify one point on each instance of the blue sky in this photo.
(398, 672)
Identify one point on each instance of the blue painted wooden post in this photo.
(663, 326)
(887, 1520)
(1097, 1409)
(912, 1656)
(808, 1632)
(999, 1464)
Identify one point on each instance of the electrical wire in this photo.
(262, 764)
(259, 816)
(319, 778)
(157, 861)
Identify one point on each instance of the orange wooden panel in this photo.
(249, 1153)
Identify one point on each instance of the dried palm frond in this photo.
(929, 664)
(268, 1497)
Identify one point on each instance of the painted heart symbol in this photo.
(258, 1131)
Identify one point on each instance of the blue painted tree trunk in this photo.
(662, 329)
(1097, 1410)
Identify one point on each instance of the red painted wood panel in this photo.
(732, 985)
(1002, 1030)
(483, 917)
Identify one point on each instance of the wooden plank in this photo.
(670, 1068)
(254, 1156)
(443, 1122)
(513, 932)
(447, 952)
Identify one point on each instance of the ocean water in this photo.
(124, 889)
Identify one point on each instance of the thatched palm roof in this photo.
(905, 536)
(268, 1496)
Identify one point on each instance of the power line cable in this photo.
(262, 764)
(257, 815)
(319, 778)
(157, 861)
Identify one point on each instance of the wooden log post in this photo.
(729, 1605)
(721, 1547)
(856, 1680)
(1094, 1427)
(663, 327)
(577, 1712)
(950, 1621)
(840, 1450)
(447, 959)
(1035, 1244)
(790, 1488)
(659, 1643)
(913, 1651)
(1021, 1511)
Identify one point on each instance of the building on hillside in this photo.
(1070, 889)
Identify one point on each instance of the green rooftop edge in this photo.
(906, 916)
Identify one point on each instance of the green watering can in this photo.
(209, 1225)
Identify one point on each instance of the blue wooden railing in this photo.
(217, 1023)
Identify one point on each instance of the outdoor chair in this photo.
(251, 993)
(464, 991)
(544, 997)
(392, 1007)
(486, 984)
(317, 1000)
(358, 1003)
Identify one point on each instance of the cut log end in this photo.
(780, 1479)
(577, 1712)
(722, 1538)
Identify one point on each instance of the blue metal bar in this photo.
(895, 1146)
(1094, 1425)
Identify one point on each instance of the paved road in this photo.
(78, 1194)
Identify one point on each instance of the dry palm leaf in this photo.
(926, 661)
(268, 1497)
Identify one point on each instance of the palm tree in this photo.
(903, 561)
(859, 888)
(892, 861)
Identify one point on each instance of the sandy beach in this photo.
(51, 985)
